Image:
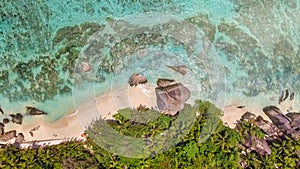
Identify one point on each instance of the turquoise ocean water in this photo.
(255, 44)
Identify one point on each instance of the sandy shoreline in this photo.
(106, 105)
(74, 124)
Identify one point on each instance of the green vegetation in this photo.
(221, 150)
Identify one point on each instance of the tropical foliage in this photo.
(221, 150)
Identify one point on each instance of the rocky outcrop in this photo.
(1, 129)
(164, 82)
(281, 121)
(248, 116)
(20, 138)
(34, 111)
(276, 116)
(171, 98)
(136, 79)
(295, 118)
(8, 135)
(18, 118)
(281, 127)
(5, 120)
(266, 126)
(258, 145)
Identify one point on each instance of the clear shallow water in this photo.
(257, 44)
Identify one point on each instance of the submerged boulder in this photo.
(85, 66)
(136, 79)
(34, 111)
(171, 99)
(182, 69)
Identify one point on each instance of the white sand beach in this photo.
(105, 106)
(73, 125)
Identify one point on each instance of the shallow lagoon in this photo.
(256, 46)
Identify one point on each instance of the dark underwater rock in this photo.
(136, 79)
(281, 97)
(292, 96)
(1, 110)
(34, 111)
(171, 99)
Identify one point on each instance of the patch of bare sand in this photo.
(74, 124)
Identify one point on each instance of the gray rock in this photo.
(295, 124)
(293, 115)
(5, 120)
(18, 118)
(20, 138)
(34, 111)
(258, 145)
(8, 135)
(136, 79)
(1, 131)
(267, 127)
(164, 82)
(248, 116)
(281, 121)
(1, 125)
(276, 116)
(171, 99)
